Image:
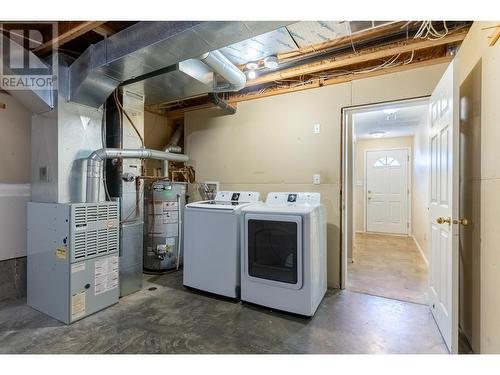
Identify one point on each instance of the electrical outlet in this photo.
(317, 128)
(316, 179)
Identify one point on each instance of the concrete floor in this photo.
(172, 319)
(388, 266)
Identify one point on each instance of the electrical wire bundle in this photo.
(427, 31)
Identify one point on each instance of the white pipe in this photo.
(96, 159)
(226, 69)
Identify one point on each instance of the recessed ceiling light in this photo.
(252, 74)
(252, 65)
(271, 62)
(390, 111)
(377, 134)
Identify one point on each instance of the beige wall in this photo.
(15, 132)
(157, 132)
(476, 50)
(420, 188)
(361, 145)
(269, 145)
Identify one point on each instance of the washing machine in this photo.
(283, 262)
(212, 242)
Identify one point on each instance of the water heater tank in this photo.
(164, 212)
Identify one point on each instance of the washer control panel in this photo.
(237, 196)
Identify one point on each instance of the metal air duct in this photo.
(221, 65)
(225, 106)
(145, 49)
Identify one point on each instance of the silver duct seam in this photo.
(221, 65)
(96, 159)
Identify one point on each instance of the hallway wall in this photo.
(420, 197)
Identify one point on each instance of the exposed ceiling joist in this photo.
(336, 80)
(68, 35)
(103, 30)
(495, 36)
(356, 58)
(343, 41)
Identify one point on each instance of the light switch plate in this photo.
(316, 179)
(317, 128)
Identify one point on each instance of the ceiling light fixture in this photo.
(377, 134)
(271, 62)
(252, 74)
(390, 111)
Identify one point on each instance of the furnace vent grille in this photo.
(95, 229)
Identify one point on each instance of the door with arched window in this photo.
(387, 192)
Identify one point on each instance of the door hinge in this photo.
(408, 225)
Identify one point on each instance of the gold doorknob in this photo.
(443, 220)
(463, 221)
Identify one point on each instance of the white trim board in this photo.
(15, 190)
(420, 250)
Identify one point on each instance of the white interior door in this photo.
(387, 191)
(443, 207)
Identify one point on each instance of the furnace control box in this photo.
(72, 258)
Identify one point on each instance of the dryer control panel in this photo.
(237, 196)
(292, 198)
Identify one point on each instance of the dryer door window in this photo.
(274, 250)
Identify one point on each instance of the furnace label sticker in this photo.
(77, 267)
(105, 274)
(61, 253)
(77, 305)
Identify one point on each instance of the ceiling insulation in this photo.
(294, 36)
(253, 49)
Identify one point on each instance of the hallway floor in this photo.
(173, 319)
(388, 266)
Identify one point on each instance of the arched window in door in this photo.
(386, 161)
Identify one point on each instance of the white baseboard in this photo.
(420, 250)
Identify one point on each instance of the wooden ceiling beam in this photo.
(343, 41)
(356, 58)
(68, 35)
(236, 98)
(104, 30)
(179, 113)
(336, 80)
(495, 36)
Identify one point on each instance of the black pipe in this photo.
(222, 104)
